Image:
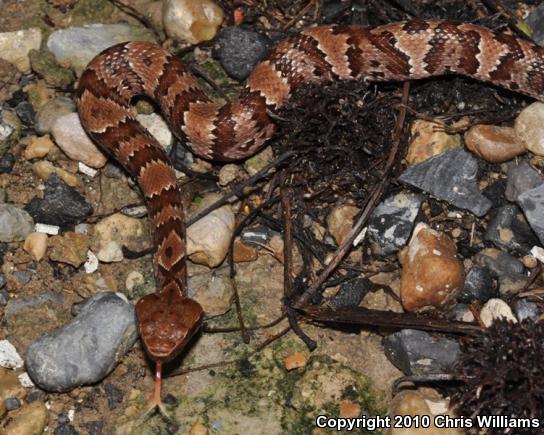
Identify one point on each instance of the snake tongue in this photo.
(167, 321)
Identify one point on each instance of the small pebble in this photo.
(15, 46)
(529, 127)
(39, 147)
(191, 21)
(431, 276)
(496, 309)
(295, 361)
(12, 403)
(72, 139)
(198, 429)
(493, 143)
(340, 221)
(428, 140)
(36, 245)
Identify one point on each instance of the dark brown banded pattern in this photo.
(235, 130)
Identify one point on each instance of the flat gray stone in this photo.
(85, 350)
(392, 221)
(15, 223)
(532, 203)
(450, 176)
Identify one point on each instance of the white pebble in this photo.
(52, 230)
(91, 265)
(9, 357)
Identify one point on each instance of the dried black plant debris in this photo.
(502, 375)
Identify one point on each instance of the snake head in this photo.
(167, 321)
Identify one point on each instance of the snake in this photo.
(234, 130)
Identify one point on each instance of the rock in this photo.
(239, 50)
(191, 21)
(429, 139)
(71, 248)
(527, 310)
(431, 274)
(392, 221)
(529, 127)
(213, 290)
(43, 63)
(532, 203)
(45, 169)
(6, 163)
(10, 80)
(10, 130)
(12, 403)
(77, 46)
(9, 357)
(418, 352)
(4, 297)
(243, 253)
(499, 263)
(26, 113)
(36, 245)
(294, 361)
(156, 125)
(511, 285)
(111, 253)
(415, 405)
(521, 178)
(30, 419)
(61, 205)
(198, 429)
(15, 223)
(351, 293)
(72, 139)
(478, 286)
(15, 46)
(85, 350)
(492, 143)
(450, 176)
(50, 111)
(510, 231)
(340, 221)
(495, 309)
(208, 239)
(228, 173)
(10, 387)
(121, 229)
(39, 147)
(535, 20)
(65, 429)
(257, 236)
(257, 162)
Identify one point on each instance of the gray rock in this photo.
(510, 231)
(12, 403)
(351, 293)
(239, 50)
(392, 221)
(15, 223)
(499, 263)
(478, 286)
(532, 203)
(52, 110)
(85, 350)
(76, 46)
(450, 176)
(417, 352)
(536, 21)
(527, 310)
(4, 297)
(521, 178)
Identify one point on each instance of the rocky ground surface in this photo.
(458, 235)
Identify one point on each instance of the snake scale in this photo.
(226, 132)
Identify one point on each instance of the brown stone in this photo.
(71, 248)
(493, 143)
(295, 361)
(340, 221)
(349, 409)
(243, 253)
(431, 274)
(429, 139)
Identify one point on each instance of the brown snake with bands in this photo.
(235, 130)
